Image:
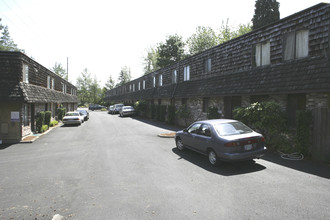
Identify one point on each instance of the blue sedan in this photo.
(222, 139)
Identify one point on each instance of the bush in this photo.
(40, 120)
(53, 123)
(184, 113)
(153, 112)
(141, 108)
(44, 128)
(61, 113)
(212, 113)
(268, 119)
(303, 125)
(171, 114)
(162, 112)
(48, 116)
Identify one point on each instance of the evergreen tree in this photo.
(171, 51)
(6, 43)
(124, 75)
(59, 70)
(265, 12)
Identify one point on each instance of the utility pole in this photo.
(67, 68)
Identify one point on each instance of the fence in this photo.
(321, 134)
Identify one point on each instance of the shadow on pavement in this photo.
(157, 124)
(225, 168)
(305, 165)
(4, 146)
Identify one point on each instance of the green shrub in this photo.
(269, 119)
(61, 113)
(53, 123)
(141, 108)
(153, 111)
(162, 112)
(48, 116)
(44, 128)
(212, 113)
(40, 120)
(303, 128)
(184, 113)
(171, 114)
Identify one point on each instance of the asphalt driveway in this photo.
(118, 168)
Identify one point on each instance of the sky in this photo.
(106, 35)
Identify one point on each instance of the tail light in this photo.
(243, 142)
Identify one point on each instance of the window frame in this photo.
(160, 80)
(207, 65)
(285, 44)
(25, 73)
(186, 73)
(174, 77)
(261, 46)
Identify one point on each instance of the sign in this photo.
(14, 116)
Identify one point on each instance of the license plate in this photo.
(248, 147)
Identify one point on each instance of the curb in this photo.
(167, 135)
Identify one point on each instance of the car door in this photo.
(191, 134)
(203, 139)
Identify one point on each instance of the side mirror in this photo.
(185, 130)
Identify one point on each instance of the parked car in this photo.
(85, 113)
(111, 109)
(117, 108)
(127, 111)
(95, 107)
(73, 118)
(222, 139)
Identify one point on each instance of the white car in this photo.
(73, 118)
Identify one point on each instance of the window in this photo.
(130, 88)
(25, 115)
(174, 76)
(25, 73)
(207, 65)
(144, 84)
(53, 83)
(63, 88)
(133, 87)
(154, 82)
(205, 130)
(139, 86)
(296, 45)
(186, 73)
(194, 128)
(160, 80)
(49, 82)
(262, 54)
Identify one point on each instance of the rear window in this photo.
(72, 114)
(232, 128)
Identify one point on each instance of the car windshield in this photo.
(72, 114)
(232, 128)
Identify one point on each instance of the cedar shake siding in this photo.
(26, 88)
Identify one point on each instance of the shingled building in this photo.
(286, 61)
(26, 88)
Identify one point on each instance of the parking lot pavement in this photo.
(118, 168)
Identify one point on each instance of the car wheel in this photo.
(179, 144)
(213, 158)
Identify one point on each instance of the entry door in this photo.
(231, 102)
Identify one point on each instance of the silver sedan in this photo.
(222, 139)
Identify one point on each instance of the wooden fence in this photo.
(320, 148)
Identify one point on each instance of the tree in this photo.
(110, 84)
(225, 32)
(95, 91)
(242, 29)
(83, 84)
(265, 12)
(203, 39)
(150, 61)
(59, 70)
(124, 75)
(6, 43)
(171, 51)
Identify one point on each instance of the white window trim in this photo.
(144, 84)
(25, 73)
(186, 73)
(48, 82)
(160, 80)
(154, 82)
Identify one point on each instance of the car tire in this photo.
(179, 144)
(213, 158)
